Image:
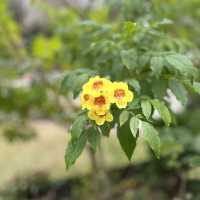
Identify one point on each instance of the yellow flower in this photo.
(86, 100)
(97, 85)
(121, 95)
(101, 104)
(100, 119)
(99, 93)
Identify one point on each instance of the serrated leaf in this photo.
(162, 110)
(134, 125)
(135, 85)
(78, 126)
(179, 91)
(93, 137)
(196, 86)
(129, 58)
(123, 117)
(126, 140)
(74, 149)
(157, 65)
(150, 134)
(182, 64)
(146, 108)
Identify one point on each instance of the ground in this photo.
(46, 154)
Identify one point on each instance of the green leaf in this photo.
(196, 86)
(74, 81)
(46, 48)
(78, 83)
(194, 161)
(135, 85)
(129, 28)
(182, 64)
(157, 65)
(65, 83)
(162, 110)
(146, 108)
(129, 58)
(135, 104)
(159, 88)
(126, 140)
(188, 84)
(134, 125)
(93, 137)
(74, 149)
(123, 117)
(144, 60)
(78, 126)
(105, 129)
(179, 91)
(150, 134)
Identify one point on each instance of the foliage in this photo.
(140, 55)
(15, 133)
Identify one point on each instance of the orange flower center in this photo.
(86, 97)
(119, 93)
(102, 116)
(100, 101)
(97, 85)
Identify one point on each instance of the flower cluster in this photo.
(99, 93)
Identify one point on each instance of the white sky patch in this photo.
(175, 105)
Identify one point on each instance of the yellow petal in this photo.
(91, 115)
(129, 96)
(100, 111)
(121, 104)
(109, 117)
(100, 121)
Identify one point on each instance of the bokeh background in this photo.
(40, 41)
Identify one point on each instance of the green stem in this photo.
(101, 183)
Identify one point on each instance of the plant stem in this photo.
(101, 184)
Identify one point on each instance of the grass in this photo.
(46, 154)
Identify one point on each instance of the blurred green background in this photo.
(40, 41)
